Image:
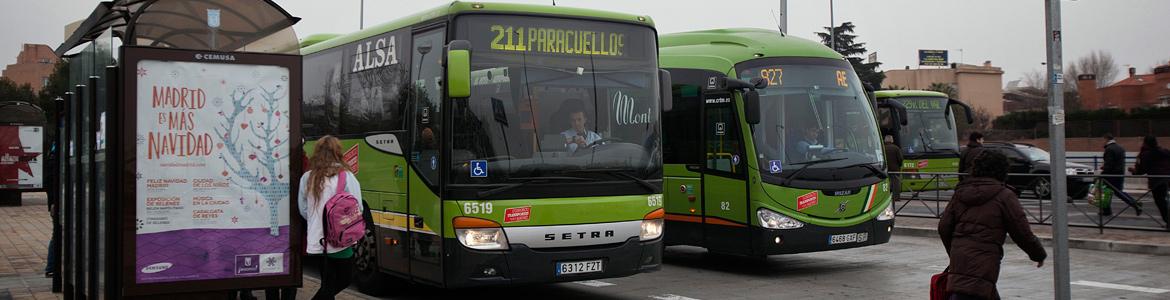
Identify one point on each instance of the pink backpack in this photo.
(344, 223)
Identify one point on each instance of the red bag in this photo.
(938, 286)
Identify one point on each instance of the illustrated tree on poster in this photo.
(254, 134)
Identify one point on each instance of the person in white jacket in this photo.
(317, 186)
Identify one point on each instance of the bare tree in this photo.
(1098, 62)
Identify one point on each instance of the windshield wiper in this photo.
(806, 165)
(620, 173)
(870, 167)
(926, 145)
(527, 180)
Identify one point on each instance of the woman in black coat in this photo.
(1154, 160)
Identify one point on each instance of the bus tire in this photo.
(366, 274)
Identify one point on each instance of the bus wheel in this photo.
(369, 279)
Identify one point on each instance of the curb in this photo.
(1074, 243)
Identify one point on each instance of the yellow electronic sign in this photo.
(558, 41)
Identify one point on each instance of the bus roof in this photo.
(721, 49)
(907, 93)
(458, 7)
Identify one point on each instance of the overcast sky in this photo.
(1010, 33)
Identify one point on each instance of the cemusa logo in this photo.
(155, 268)
(215, 56)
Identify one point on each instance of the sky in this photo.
(1009, 33)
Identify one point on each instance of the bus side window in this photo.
(680, 143)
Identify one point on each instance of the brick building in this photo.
(1146, 90)
(980, 87)
(33, 66)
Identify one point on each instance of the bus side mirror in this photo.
(966, 109)
(898, 110)
(459, 69)
(751, 107)
(868, 90)
(665, 91)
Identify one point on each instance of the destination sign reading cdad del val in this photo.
(549, 40)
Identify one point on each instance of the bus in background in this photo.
(929, 139)
(496, 143)
(771, 147)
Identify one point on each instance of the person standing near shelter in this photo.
(974, 147)
(1155, 161)
(982, 211)
(894, 164)
(317, 186)
(1114, 164)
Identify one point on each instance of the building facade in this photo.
(1146, 90)
(981, 87)
(33, 66)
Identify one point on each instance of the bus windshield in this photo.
(814, 115)
(556, 100)
(931, 128)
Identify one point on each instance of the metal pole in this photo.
(832, 28)
(362, 16)
(1056, 138)
(783, 16)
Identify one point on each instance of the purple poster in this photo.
(212, 171)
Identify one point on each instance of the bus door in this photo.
(424, 204)
(725, 201)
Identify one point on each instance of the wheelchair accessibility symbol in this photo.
(774, 167)
(479, 168)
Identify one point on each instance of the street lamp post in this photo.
(1056, 139)
(832, 28)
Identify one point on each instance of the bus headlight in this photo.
(774, 220)
(652, 225)
(887, 214)
(480, 234)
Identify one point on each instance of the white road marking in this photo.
(593, 283)
(671, 297)
(1120, 287)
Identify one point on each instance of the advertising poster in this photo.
(21, 157)
(212, 171)
(936, 58)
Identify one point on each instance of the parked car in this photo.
(1028, 159)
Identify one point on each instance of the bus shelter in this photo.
(177, 179)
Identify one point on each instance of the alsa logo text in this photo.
(578, 235)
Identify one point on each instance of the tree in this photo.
(944, 88)
(10, 91)
(853, 51)
(895, 87)
(1099, 63)
(46, 99)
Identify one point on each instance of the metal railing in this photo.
(930, 199)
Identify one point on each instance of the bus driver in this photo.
(577, 136)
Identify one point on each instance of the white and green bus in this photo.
(772, 147)
(497, 143)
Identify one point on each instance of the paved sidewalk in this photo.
(1117, 240)
(24, 237)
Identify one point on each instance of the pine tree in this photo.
(854, 52)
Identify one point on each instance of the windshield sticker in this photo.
(434, 163)
(735, 159)
(775, 167)
(479, 168)
(712, 83)
(718, 100)
(627, 111)
(806, 200)
(923, 163)
(774, 76)
(517, 214)
(720, 128)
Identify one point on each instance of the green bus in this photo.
(771, 147)
(929, 138)
(497, 143)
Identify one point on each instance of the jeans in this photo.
(51, 263)
(335, 276)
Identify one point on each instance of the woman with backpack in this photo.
(973, 228)
(319, 185)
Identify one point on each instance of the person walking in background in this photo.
(974, 147)
(1114, 164)
(982, 211)
(317, 186)
(894, 164)
(1155, 160)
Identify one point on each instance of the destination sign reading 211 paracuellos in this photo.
(557, 40)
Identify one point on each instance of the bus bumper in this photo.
(523, 265)
(813, 238)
